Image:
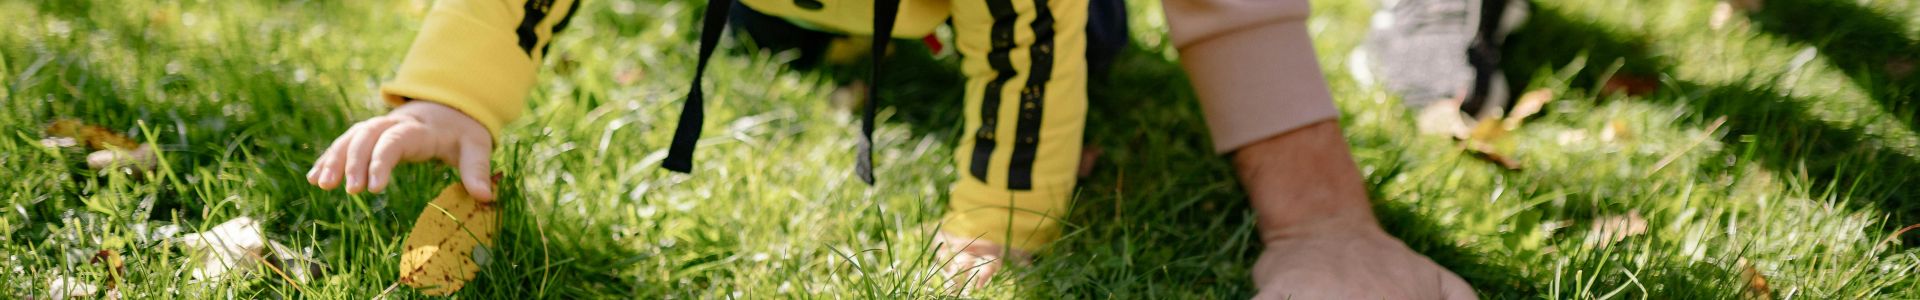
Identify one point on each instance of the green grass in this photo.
(1809, 177)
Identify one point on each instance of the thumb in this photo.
(474, 169)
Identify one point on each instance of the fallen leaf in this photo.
(300, 266)
(1529, 104)
(1089, 156)
(63, 287)
(1753, 284)
(133, 162)
(116, 265)
(1483, 151)
(95, 137)
(110, 149)
(1631, 85)
(438, 259)
(1443, 118)
(1488, 131)
(1899, 67)
(228, 247)
(1609, 229)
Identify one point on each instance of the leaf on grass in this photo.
(226, 248)
(65, 287)
(95, 137)
(1529, 104)
(1487, 131)
(132, 162)
(116, 266)
(298, 266)
(1443, 118)
(1631, 85)
(110, 149)
(1089, 156)
(1753, 285)
(439, 253)
(1899, 67)
(1484, 151)
(1609, 229)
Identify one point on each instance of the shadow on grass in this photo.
(1778, 131)
(1867, 45)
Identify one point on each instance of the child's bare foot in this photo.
(971, 262)
(1351, 262)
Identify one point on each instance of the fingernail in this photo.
(327, 178)
(377, 185)
(353, 183)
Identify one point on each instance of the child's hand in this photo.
(415, 131)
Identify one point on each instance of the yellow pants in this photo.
(1025, 62)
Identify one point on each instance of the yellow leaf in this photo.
(1529, 104)
(439, 253)
(1488, 131)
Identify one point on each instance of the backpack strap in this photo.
(884, 13)
(1484, 53)
(686, 135)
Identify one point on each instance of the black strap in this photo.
(884, 12)
(1484, 53)
(686, 135)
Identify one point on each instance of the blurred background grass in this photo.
(1807, 181)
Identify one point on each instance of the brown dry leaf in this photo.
(110, 149)
(1529, 104)
(1753, 284)
(95, 137)
(439, 257)
(1631, 85)
(1088, 156)
(116, 265)
(1899, 67)
(1609, 229)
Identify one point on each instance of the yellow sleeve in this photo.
(479, 56)
(1025, 62)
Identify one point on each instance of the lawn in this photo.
(1774, 155)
